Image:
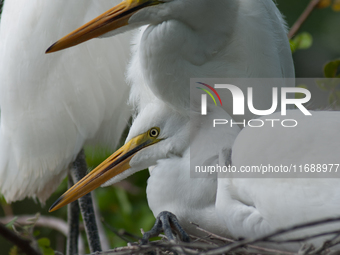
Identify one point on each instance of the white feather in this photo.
(51, 105)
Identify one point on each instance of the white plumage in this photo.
(207, 39)
(51, 105)
(201, 39)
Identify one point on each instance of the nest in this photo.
(212, 244)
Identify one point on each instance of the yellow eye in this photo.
(154, 132)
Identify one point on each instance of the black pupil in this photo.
(153, 132)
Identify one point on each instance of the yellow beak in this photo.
(117, 163)
(114, 18)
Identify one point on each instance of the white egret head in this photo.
(157, 133)
(130, 14)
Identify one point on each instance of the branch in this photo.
(268, 237)
(303, 18)
(122, 234)
(250, 246)
(45, 221)
(23, 244)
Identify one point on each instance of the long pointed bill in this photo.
(117, 163)
(114, 18)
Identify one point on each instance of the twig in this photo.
(328, 244)
(311, 6)
(305, 238)
(267, 238)
(180, 248)
(202, 239)
(250, 246)
(22, 244)
(120, 234)
(213, 235)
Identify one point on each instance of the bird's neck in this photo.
(232, 39)
(173, 51)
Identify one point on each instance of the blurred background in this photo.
(124, 206)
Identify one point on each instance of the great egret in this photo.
(159, 136)
(237, 207)
(194, 38)
(52, 105)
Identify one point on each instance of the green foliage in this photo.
(332, 69)
(124, 206)
(331, 83)
(15, 251)
(44, 245)
(301, 95)
(301, 41)
(332, 86)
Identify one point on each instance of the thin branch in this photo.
(44, 221)
(305, 238)
(268, 237)
(122, 234)
(117, 232)
(213, 235)
(250, 246)
(295, 28)
(328, 244)
(22, 244)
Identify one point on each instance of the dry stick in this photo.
(120, 234)
(137, 249)
(302, 239)
(328, 244)
(23, 244)
(303, 18)
(250, 246)
(267, 238)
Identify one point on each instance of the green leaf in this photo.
(44, 242)
(301, 41)
(36, 233)
(300, 95)
(331, 69)
(324, 84)
(44, 245)
(13, 251)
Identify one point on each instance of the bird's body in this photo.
(242, 207)
(52, 105)
(266, 204)
(210, 39)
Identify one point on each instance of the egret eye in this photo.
(154, 132)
